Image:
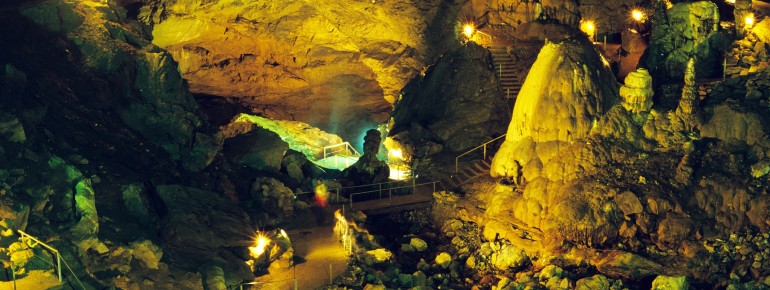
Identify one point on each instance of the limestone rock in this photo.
(443, 259)
(687, 29)
(418, 244)
(509, 257)
(565, 93)
(456, 104)
(670, 283)
(147, 253)
(596, 282)
(259, 149)
(675, 228)
(376, 256)
(135, 200)
(729, 123)
(54, 15)
(326, 63)
(627, 265)
(84, 232)
(199, 222)
(637, 92)
(213, 278)
(273, 196)
(11, 130)
(368, 169)
(628, 203)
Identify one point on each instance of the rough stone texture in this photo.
(455, 105)
(686, 30)
(566, 92)
(333, 64)
(147, 253)
(637, 92)
(135, 200)
(670, 283)
(148, 95)
(368, 169)
(199, 222)
(259, 149)
(272, 196)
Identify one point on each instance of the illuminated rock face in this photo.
(566, 92)
(333, 64)
(686, 30)
(637, 92)
(456, 105)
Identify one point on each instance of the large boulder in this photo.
(200, 223)
(457, 104)
(259, 149)
(565, 93)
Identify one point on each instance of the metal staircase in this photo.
(506, 70)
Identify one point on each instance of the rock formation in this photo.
(456, 105)
(566, 92)
(336, 65)
(368, 169)
(636, 92)
(686, 30)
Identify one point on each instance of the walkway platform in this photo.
(417, 200)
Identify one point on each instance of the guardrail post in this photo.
(58, 265)
(485, 151)
(380, 190)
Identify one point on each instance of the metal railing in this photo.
(337, 149)
(484, 146)
(390, 191)
(59, 260)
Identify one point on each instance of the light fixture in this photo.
(638, 15)
(588, 28)
(468, 30)
(749, 20)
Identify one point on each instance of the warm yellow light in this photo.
(283, 233)
(749, 20)
(396, 153)
(637, 15)
(468, 30)
(730, 2)
(588, 28)
(260, 247)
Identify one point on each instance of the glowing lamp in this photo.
(732, 2)
(749, 20)
(260, 247)
(468, 30)
(637, 15)
(396, 153)
(588, 28)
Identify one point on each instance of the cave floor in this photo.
(315, 249)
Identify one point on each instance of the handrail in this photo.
(59, 259)
(345, 144)
(390, 191)
(457, 159)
